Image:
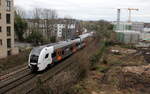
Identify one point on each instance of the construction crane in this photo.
(118, 15)
(130, 9)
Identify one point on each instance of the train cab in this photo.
(40, 58)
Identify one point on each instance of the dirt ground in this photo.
(12, 62)
(123, 73)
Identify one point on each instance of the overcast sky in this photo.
(92, 9)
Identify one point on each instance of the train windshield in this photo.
(37, 50)
(35, 54)
(34, 59)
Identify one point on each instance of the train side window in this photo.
(66, 49)
(46, 56)
(60, 53)
(57, 53)
(63, 52)
(54, 55)
(71, 48)
(77, 44)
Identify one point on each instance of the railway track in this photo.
(9, 74)
(21, 80)
(9, 83)
(45, 80)
(54, 72)
(17, 82)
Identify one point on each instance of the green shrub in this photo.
(115, 63)
(128, 46)
(35, 37)
(96, 57)
(53, 39)
(77, 89)
(101, 68)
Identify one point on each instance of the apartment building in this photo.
(62, 29)
(7, 29)
(65, 31)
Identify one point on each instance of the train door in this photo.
(67, 51)
(48, 57)
(74, 49)
(59, 54)
(78, 46)
(45, 59)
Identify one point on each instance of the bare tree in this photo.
(43, 21)
(68, 31)
(20, 12)
(20, 25)
(37, 16)
(49, 16)
(54, 16)
(46, 16)
(36, 24)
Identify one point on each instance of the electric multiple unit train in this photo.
(42, 56)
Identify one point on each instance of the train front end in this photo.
(40, 58)
(33, 63)
(33, 60)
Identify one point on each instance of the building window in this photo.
(8, 53)
(0, 16)
(8, 43)
(1, 42)
(0, 29)
(8, 5)
(8, 31)
(8, 18)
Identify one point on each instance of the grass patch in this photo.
(79, 88)
(98, 56)
(128, 46)
(115, 63)
(101, 68)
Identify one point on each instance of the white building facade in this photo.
(65, 31)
